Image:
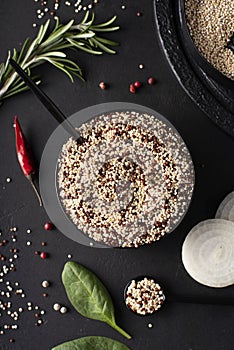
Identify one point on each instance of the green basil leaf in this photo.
(88, 295)
(92, 343)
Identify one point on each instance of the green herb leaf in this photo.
(107, 23)
(88, 295)
(103, 47)
(49, 47)
(54, 53)
(82, 47)
(58, 33)
(43, 31)
(23, 49)
(92, 343)
(98, 29)
(107, 41)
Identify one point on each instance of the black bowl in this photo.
(137, 279)
(194, 54)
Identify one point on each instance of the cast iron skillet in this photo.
(194, 54)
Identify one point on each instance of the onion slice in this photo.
(208, 253)
(226, 208)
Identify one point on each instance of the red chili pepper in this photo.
(25, 157)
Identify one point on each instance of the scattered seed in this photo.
(56, 307)
(141, 66)
(102, 85)
(48, 226)
(151, 81)
(63, 310)
(43, 255)
(137, 84)
(132, 89)
(55, 6)
(8, 179)
(45, 284)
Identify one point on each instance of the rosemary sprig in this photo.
(49, 47)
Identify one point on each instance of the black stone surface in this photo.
(176, 326)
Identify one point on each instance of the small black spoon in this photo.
(47, 102)
(181, 298)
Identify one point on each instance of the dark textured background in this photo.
(176, 326)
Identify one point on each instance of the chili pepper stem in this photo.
(30, 179)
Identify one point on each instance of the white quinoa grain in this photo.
(45, 284)
(129, 182)
(211, 25)
(63, 310)
(56, 307)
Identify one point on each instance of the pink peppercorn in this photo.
(132, 89)
(151, 81)
(43, 255)
(102, 85)
(48, 226)
(137, 84)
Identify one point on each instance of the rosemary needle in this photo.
(50, 47)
